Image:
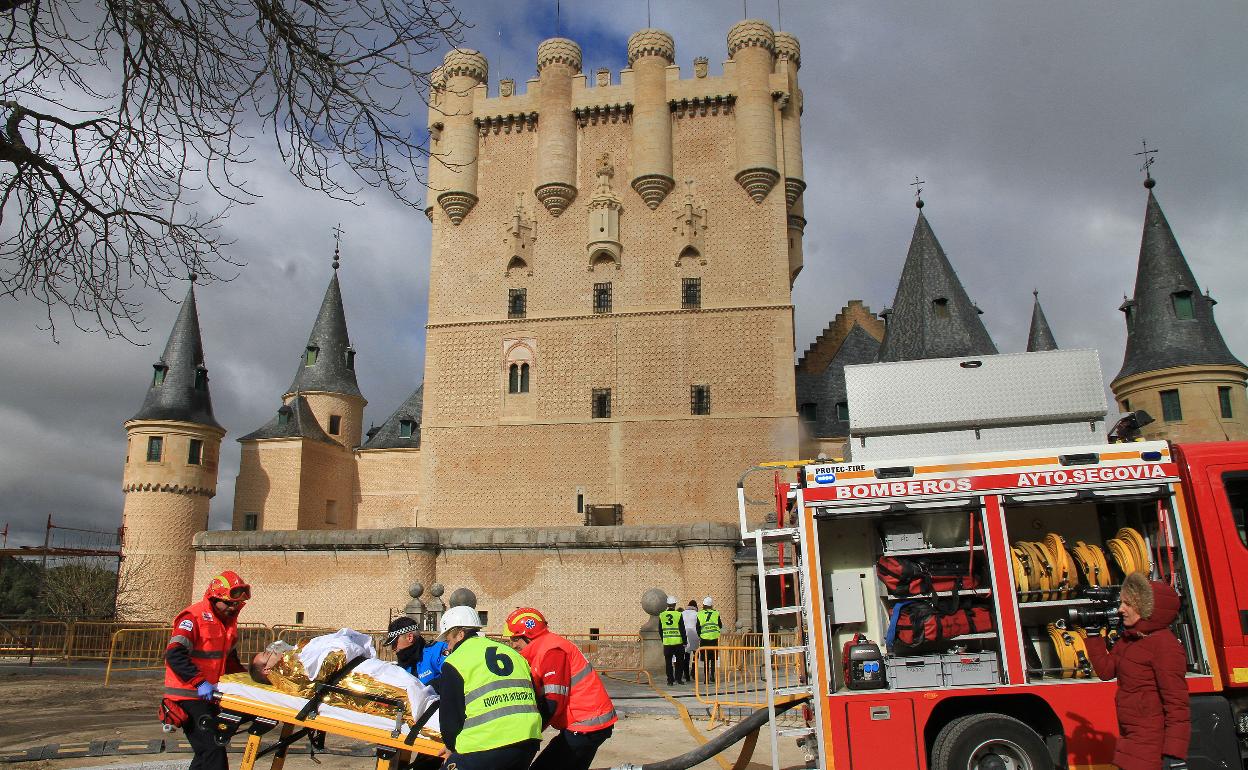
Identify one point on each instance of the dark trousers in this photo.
(710, 659)
(682, 666)
(671, 659)
(517, 756)
(571, 751)
(208, 755)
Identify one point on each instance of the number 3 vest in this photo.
(500, 706)
(669, 627)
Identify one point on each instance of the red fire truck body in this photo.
(1037, 708)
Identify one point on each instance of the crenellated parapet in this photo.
(751, 33)
(787, 47)
(651, 42)
(559, 50)
(788, 62)
(464, 62)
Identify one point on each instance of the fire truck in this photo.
(969, 492)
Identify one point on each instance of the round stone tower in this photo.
(462, 71)
(650, 53)
(172, 448)
(752, 46)
(558, 60)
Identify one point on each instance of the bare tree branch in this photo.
(126, 130)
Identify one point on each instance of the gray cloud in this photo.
(1021, 117)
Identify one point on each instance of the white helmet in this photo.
(671, 600)
(706, 601)
(458, 617)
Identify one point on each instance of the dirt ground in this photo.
(44, 708)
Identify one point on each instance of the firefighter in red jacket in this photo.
(200, 651)
(574, 700)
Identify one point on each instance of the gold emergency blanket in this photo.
(289, 676)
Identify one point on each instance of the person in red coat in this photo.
(574, 699)
(1154, 720)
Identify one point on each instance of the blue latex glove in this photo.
(205, 690)
(1173, 763)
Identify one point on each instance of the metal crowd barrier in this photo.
(734, 678)
(93, 639)
(33, 638)
(612, 653)
(143, 649)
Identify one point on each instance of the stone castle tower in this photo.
(172, 446)
(1177, 366)
(609, 303)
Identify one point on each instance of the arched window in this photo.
(513, 378)
(524, 378)
(519, 359)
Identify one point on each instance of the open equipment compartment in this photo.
(1070, 551)
(852, 543)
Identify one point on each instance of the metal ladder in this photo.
(771, 655)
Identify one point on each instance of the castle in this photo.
(609, 347)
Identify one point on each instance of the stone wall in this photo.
(389, 488)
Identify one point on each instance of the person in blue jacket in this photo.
(420, 659)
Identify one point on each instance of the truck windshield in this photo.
(1236, 485)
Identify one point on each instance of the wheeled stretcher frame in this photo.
(393, 750)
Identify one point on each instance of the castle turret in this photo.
(172, 447)
(650, 53)
(752, 46)
(1177, 367)
(931, 316)
(326, 373)
(1040, 336)
(788, 62)
(435, 183)
(558, 60)
(462, 70)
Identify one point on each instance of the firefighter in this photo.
(201, 650)
(708, 634)
(575, 701)
(672, 633)
(499, 727)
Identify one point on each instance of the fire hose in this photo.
(714, 746)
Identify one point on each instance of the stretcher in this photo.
(259, 709)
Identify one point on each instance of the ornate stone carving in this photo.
(521, 233)
(604, 215)
(690, 226)
(651, 42)
(465, 61)
(555, 196)
(602, 77)
(758, 182)
(560, 50)
(506, 87)
(751, 32)
(793, 190)
(700, 66)
(457, 205)
(787, 47)
(653, 188)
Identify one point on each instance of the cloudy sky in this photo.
(1021, 117)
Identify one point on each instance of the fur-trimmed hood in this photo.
(1157, 602)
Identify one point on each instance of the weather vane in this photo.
(1148, 164)
(338, 231)
(917, 184)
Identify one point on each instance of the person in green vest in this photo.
(488, 712)
(708, 634)
(672, 633)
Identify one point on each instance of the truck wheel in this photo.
(989, 742)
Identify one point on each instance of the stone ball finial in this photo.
(559, 50)
(467, 62)
(788, 47)
(751, 32)
(1149, 183)
(462, 597)
(651, 42)
(654, 601)
(437, 589)
(416, 590)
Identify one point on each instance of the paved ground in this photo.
(62, 706)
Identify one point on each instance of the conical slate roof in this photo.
(177, 397)
(334, 369)
(389, 435)
(1041, 336)
(932, 317)
(293, 420)
(1157, 337)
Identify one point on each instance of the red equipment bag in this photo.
(921, 625)
(910, 577)
(171, 713)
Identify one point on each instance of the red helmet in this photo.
(228, 587)
(526, 622)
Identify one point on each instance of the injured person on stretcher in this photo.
(299, 672)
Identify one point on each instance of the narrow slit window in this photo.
(691, 293)
(517, 303)
(155, 448)
(600, 399)
(201, 379)
(602, 297)
(335, 424)
(524, 378)
(699, 399)
(1224, 402)
(195, 452)
(513, 378)
(351, 359)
